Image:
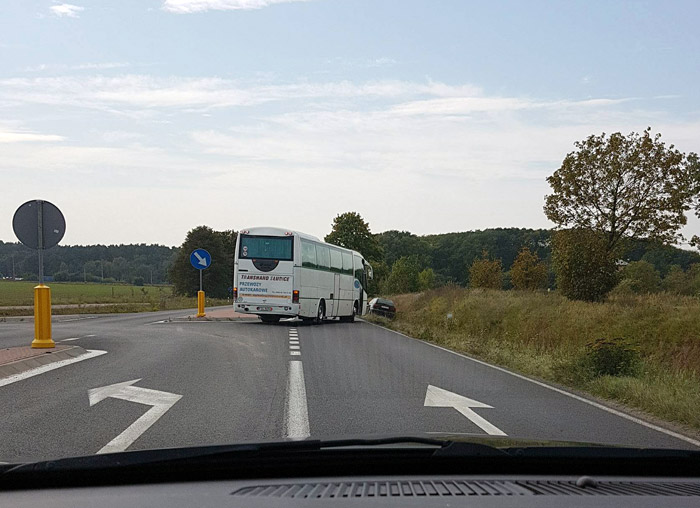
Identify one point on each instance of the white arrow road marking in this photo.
(161, 402)
(202, 261)
(437, 397)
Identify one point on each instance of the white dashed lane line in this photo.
(296, 420)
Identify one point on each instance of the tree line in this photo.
(132, 264)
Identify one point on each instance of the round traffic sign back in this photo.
(30, 216)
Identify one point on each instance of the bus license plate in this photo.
(268, 309)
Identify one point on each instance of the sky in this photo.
(141, 119)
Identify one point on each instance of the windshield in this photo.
(233, 221)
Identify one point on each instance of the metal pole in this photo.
(40, 222)
(200, 279)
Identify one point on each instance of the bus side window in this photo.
(308, 254)
(347, 263)
(336, 261)
(323, 257)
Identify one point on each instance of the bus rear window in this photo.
(266, 247)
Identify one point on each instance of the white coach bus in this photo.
(279, 273)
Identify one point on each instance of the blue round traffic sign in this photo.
(200, 259)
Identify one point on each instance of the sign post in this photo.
(201, 260)
(40, 225)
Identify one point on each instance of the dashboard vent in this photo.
(452, 488)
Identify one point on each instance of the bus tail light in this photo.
(295, 296)
(235, 294)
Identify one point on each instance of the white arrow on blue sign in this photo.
(200, 259)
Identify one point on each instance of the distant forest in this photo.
(450, 255)
(131, 264)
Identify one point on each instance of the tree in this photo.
(352, 232)
(624, 187)
(378, 282)
(528, 272)
(641, 277)
(403, 277)
(584, 268)
(486, 273)
(218, 277)
(426, 279)
(676, 281)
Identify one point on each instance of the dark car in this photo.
(383, 307)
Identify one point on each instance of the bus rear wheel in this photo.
(270, 319)
(350, 318)
(320, 313)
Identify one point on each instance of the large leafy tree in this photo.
(624, 187)
(218, 277)
(352, 232)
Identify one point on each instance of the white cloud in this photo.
(66, 10)
(190, 6)
(21, 137)
(76, 67)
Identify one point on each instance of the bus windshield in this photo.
(266, 247)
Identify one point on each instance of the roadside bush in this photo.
(641, 277)
(585, 269)
(486, 273)
(612, 357)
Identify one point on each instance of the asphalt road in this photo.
(246, 381)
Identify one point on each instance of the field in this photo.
(655, 337)
(122, 298)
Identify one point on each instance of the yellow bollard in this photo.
(42, 317)
(200, 304)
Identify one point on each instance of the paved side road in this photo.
(164, 383)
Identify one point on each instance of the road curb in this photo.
(25, 364)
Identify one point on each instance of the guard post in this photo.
(200, 259)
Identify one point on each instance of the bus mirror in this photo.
(370, 272)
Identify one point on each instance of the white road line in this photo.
(91, 335)
(295, 342)
(91, 353)
(296, 418)
(68, 340)
(295, 353)
(560, 391)
(291, 346)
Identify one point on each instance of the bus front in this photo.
(263, 274)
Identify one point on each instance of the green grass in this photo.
(545, 335)
(122, 297)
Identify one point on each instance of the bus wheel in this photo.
(270, 319)
(321, 312)
(350, 318)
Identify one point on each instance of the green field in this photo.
(547, 336)
(125, 298)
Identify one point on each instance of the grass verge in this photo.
(544, 335)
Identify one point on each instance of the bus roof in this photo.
(273, 231)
